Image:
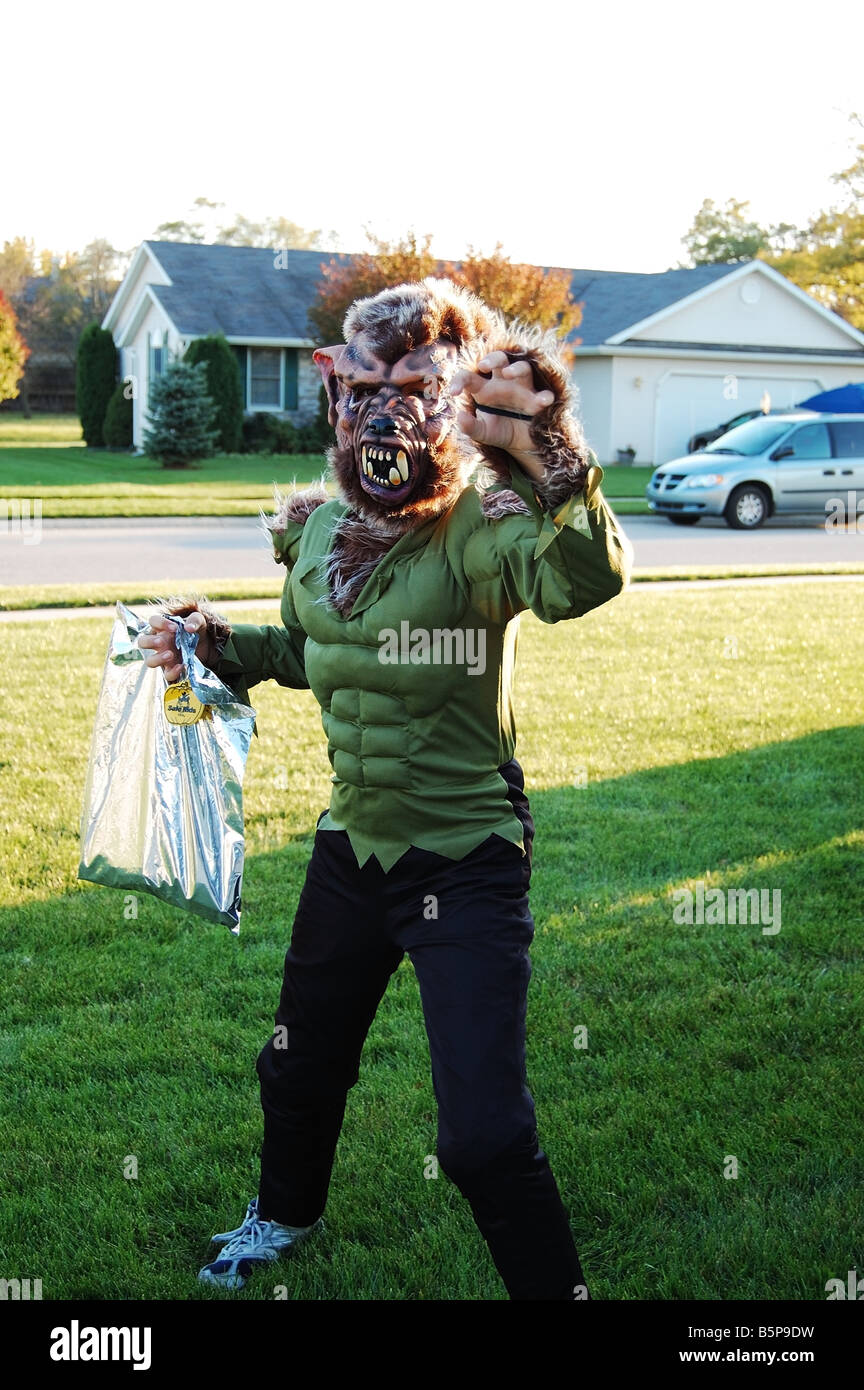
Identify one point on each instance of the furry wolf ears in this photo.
(327, 361)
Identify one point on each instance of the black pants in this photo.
(467, 928)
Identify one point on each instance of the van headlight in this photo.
(703, 480)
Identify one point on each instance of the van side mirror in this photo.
(786, 452)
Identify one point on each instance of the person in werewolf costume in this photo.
(426, 846)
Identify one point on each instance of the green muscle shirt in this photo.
(415, 687)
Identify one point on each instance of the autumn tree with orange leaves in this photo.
(13, 351)
(528, 292)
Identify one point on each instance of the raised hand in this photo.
(504, 386)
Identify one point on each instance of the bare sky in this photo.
(575, 135)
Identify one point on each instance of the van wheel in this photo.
(747, 508)
(682, 519)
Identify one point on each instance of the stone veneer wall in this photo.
(308, 383)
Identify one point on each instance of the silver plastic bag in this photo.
(163, 802)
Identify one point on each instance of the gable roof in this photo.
(615, 300)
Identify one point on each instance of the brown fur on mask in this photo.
(401, 348)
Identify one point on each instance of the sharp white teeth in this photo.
(395, 477)
(387, 456)
(402, 464)
(363, 456)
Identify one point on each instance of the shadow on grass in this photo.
(711, 1050)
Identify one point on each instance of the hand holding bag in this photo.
(163, 797)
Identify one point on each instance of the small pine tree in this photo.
(182, 416)
(96, 372)
(117, 429)
(223, 385)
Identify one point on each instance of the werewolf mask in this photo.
(399, 459)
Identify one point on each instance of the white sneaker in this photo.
(253, 1244)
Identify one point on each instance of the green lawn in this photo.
(139, 1037)
(74, 481)
(38, 458)
(39, 430)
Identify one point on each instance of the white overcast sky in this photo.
(576, 135)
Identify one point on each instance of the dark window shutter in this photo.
(290, 383)
(240, 354)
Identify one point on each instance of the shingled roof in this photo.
(238, 291)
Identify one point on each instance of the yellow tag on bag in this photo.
(182, 705)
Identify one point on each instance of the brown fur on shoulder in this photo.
(292, 506)
(357, 548)
(504, 502)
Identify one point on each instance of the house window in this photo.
(264, 387)
(157, 357)
(269, 376)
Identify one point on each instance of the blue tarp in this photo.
(846, 399)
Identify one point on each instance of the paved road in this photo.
(149, 549)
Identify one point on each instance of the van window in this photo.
(754, 437)
(810, 442)
(848, 439)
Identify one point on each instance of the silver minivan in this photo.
(792, 461)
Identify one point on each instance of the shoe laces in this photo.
(250, 1217)
(248, 1238)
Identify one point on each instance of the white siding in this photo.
(775, 318)
(135, 365)
(149, 273)
(592, 378)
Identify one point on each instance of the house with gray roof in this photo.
(656, 357)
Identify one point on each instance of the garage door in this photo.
(691, 401)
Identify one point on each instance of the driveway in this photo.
(146, 550)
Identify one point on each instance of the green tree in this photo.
(117, 427)
(17, 265)
(96, 372)
(827, 257)
(97, 271)
(182, 416)
(724, 234)
(223, 386)
(203, 224)
(183, 229)
(13, 351)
